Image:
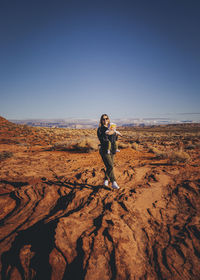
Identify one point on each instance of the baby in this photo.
(113, 137)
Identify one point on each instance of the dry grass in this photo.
(158, 153)
(173, 157)
(178, 156)
(83, 145)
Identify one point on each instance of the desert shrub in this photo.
(4, 155)
(178, 156)
(123, 145)
(197, 146)
(8, 141)
(135, 146)
(157, 152)
(172, 156)
(190, 147)
(84, 145)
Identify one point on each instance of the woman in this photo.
(105, 136)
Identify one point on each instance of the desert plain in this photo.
(58, 221)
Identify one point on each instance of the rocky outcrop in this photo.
(59, 222)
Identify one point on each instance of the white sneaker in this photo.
(106, 183)
(114, 185)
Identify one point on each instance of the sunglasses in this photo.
(104, 119)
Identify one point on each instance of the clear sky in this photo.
(79, 59)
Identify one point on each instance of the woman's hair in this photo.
(101, 119)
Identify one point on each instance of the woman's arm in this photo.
(110, 132)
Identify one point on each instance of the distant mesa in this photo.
(93, 123)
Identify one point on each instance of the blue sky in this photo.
(79, 59)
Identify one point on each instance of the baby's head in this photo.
(113, 126)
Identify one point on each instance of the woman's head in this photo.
(104, 120)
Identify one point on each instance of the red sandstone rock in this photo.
(59, 222)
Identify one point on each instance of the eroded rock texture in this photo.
(59, 222)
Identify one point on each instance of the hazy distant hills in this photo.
(68, 123)
(93, 123)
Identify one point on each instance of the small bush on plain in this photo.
(172, 156)
(4, 155)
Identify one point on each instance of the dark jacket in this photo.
(104, 139)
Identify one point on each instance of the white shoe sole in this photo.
(116, 188)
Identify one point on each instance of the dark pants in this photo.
(108, 160)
